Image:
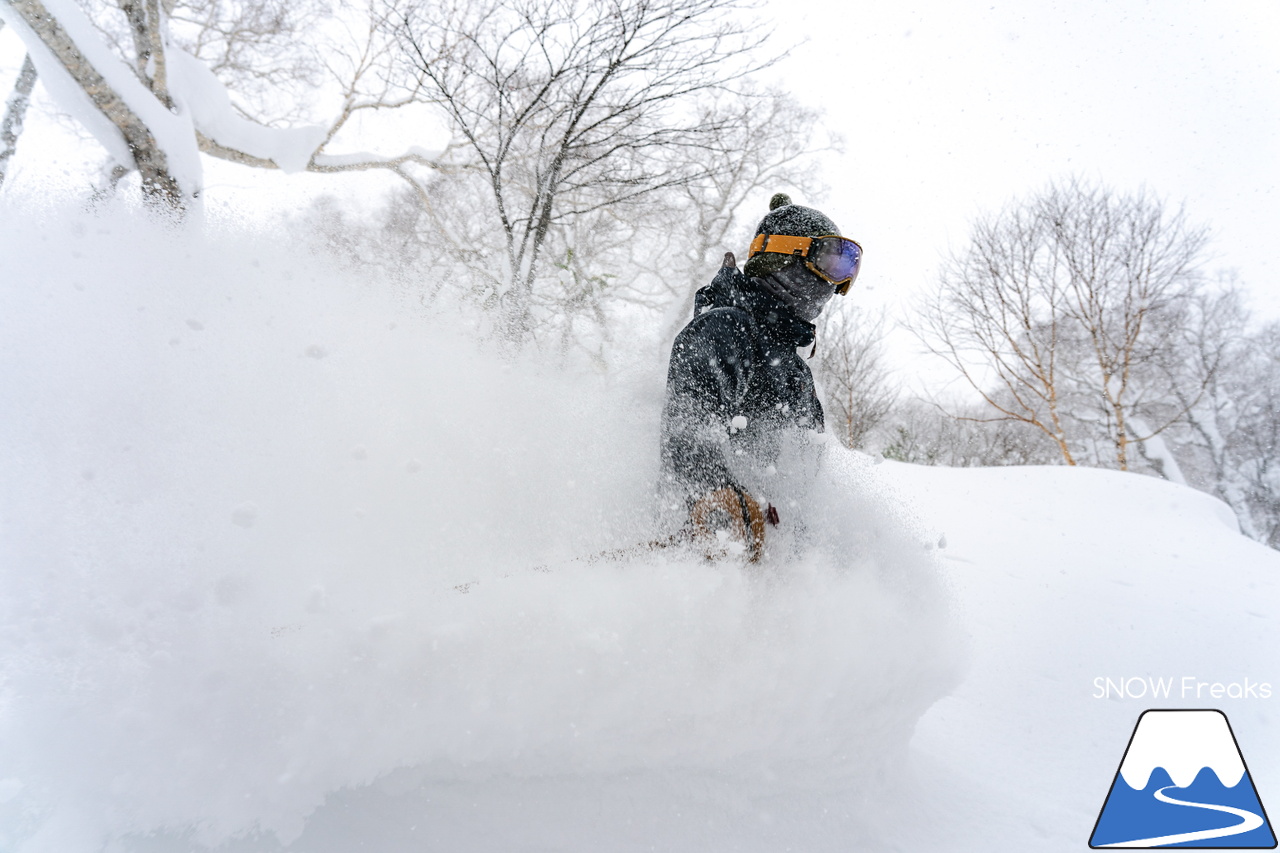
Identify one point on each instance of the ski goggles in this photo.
(836, 259)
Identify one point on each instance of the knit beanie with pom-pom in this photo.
(791, 220)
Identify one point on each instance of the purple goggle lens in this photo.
(835, 258)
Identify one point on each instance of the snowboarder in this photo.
(736, 385)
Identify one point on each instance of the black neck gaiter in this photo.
(802, 291)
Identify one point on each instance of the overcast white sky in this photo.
(955, 107)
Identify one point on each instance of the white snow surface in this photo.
(242, 485)
(1183, 743)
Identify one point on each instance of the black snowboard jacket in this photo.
(735, 383)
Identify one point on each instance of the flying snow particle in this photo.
(245, 515)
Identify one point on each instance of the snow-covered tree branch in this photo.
(155, 105)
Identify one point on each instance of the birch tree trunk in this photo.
(15, 112)
(158, 183)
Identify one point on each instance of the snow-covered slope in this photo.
(1065, 579)
(242, 488)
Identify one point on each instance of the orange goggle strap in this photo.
(781, 244)
(785, 245)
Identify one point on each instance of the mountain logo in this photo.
(1183, 783)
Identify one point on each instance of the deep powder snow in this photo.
(241, 487)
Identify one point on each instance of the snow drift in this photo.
(241, 489)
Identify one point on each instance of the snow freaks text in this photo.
(1185, 687)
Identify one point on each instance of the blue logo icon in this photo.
(1183, 783)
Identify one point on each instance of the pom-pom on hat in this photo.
(792, 220)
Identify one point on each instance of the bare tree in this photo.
(626, 260)
(858, 390)
(1227, 387)
(569, 107)
(1132, 265)
(999, 316)
(1259, 431)
(1061, 310)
